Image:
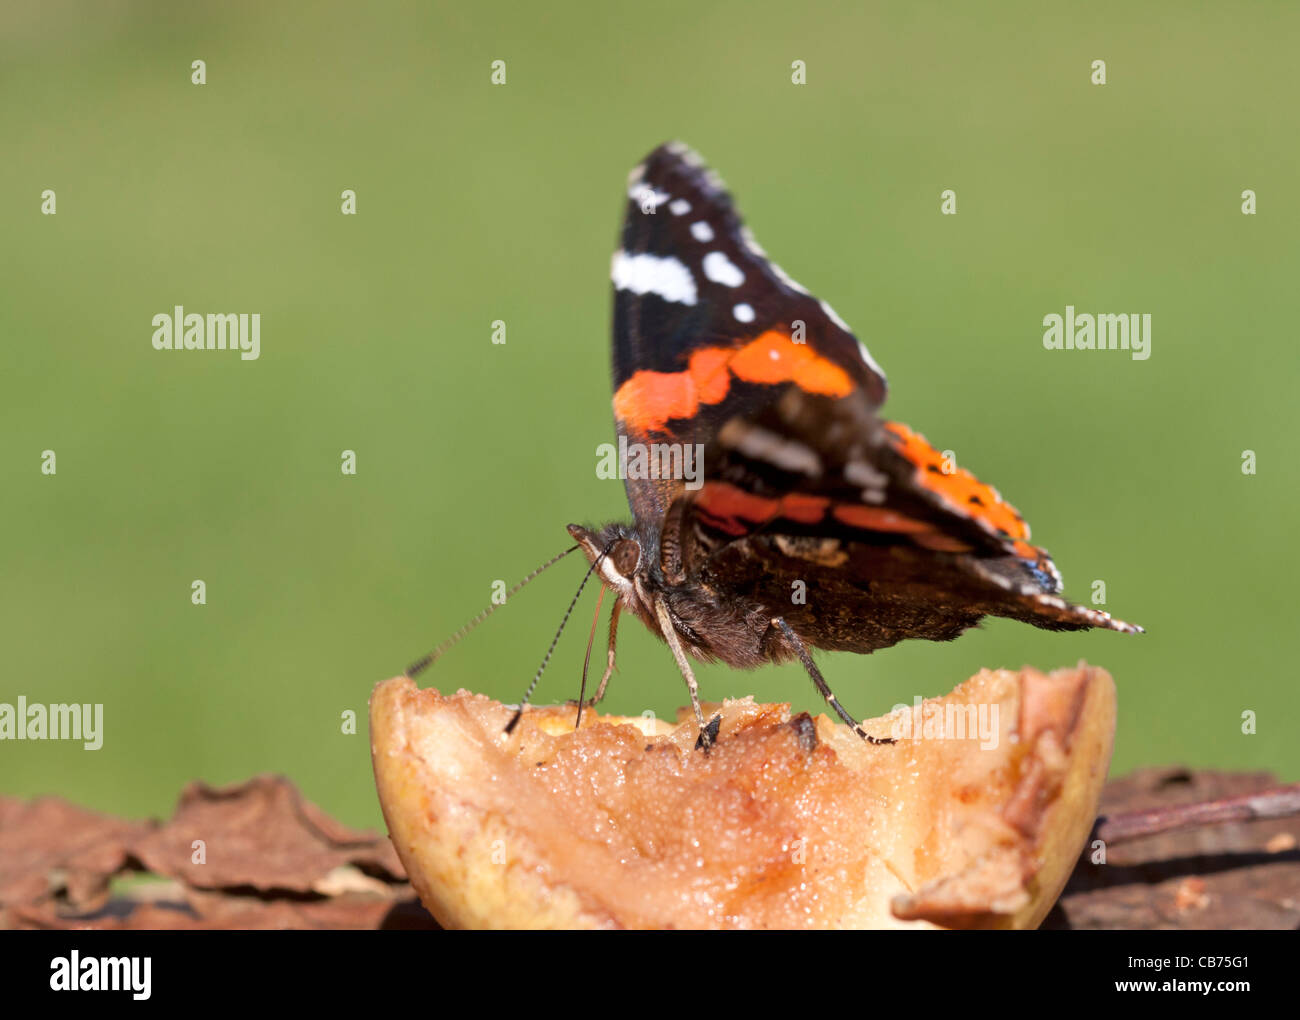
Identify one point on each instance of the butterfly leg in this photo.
(708, 731)
(793, 640)
(609, 664)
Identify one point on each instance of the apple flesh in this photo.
(789, 822)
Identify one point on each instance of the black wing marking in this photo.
(688, 277)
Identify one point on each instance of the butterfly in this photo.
(774, 509)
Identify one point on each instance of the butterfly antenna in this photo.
(514, 719)
(421, 665)
(586, 659)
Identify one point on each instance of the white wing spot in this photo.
(679, 207)
(861, 473)
(652, 274)
(760, 444)
(702, 232)
(638, 191)
(743, 313)
(720, 269)
(688, 155)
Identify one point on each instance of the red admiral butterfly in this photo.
(814, 522)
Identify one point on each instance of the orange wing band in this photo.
(648, 400)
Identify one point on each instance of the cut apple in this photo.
(974, 818)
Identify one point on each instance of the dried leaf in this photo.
(50, 846)
(261, 834)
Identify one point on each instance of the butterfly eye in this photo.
(626, 554)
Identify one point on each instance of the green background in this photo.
(479, 202)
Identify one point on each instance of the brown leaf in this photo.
(49, 846)
(280, 862)
(263, 835)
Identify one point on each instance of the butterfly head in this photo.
(619, 551)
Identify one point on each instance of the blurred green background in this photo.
(479, 202)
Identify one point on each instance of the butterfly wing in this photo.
(705, 326)
(716, 348)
